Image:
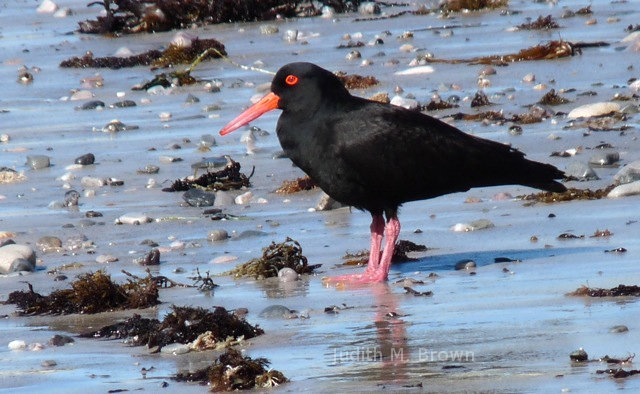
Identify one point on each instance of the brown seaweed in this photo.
(542, 23)
(619, 372)
(296, 185)
(569, 195)
(232, 371)
(480, 99)
(472, 5)
(552, 98)
(135, 16)
(181, 325)
(229, 178)
(355, 81)
(274, 258)
(170, 57)
(619, 291)
(90, 293)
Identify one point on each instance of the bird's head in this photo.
(296, 88)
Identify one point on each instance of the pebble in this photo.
(369, 8)
(49, 243)
(37, 162)
(93, 104)
(269, 29)
(416, 70)
(633, 86)
(223, 259)
(404, 102)
(115, 125)
(48, 363)
(487, 70)
(529, 78)
(579, 355)
(619, 329)
(277, 312)
(244, 198)
(218, 235)
(224, 198)
(628, 189)
(81, 95)
(175, 349)
(353, 55)
(93, 214)
(191, 99)
(123, 104)
(465, 265)
(17, 344)
(327, 203)
(627, 174)
(595, 109)
(71, 198)
(91, 181)
(85, 160)
(151, 258)
(4, 138)
(182, 39)
(17, 257)
(169, 159)
(106, 258)
(249, 234)
(199, 198)
(149, 169)
(601, 158)
(290, 36)
(36, 347)
(406, 48)
(133, 218)
(479, 224)
(60, 340)
(287, 274)
(581, 171)
(47, 7)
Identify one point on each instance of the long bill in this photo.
(266, 104)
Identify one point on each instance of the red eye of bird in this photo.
(291, 80)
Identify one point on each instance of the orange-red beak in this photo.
(266, 104)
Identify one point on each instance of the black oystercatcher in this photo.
(377, 156)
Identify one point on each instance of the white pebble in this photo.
(121, 94)
(223, 259)
(628, 189)
(91, 181)
(634, 86)
(89, 193)
(416, 70)
(177, 245)
(529, 78)
(36, 347)
(133, 218)
(404, 102)
(81, 95)
(595, 109)
(62, 12)
(244, 198)
(182, 39)
(67, 177)
(18, 344)
(406, 48)
(47, 7)
(164, 116)
(461, 227)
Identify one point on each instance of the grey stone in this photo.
(326, 203)
(604, 158)
(16, 257)
(199, 198)
(277, 312)
(627, 174)
(37, 162)
(218, 235)
(49, 243)
(85, 160)
(581, 171)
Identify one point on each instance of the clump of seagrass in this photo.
(619, 291)
(232, 371)
(568, 195)
(90, 293)
(296, 185)
(229, 178)
(183, 325)
(274, 258)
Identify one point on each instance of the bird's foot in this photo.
(366, 278)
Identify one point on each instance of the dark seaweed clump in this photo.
(399, 253)
(472, 5)
(552, 98)
(232, 371)
(182, 325)
(229, 178)
(90, 293)
(296, 185)
(171, 56)
(619, 372)
(568, 195)
(542, 23)
(135, 16)
(619, 291)
(355, 81)
(274, 258)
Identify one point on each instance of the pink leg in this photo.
(378, 266)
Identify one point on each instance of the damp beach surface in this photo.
(504, 324)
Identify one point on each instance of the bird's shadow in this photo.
(447, 262)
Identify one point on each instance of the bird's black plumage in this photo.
(376, 156)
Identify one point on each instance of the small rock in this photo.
(628, 189)
(249, 234)
(487, 70)
(416, 70)
(595, 109)
(85, 160)
(17, 344)
(579, 355)
(37, 162)
(199, 198)
(224, 259)
(176, 349)
(404, 102)
(619, 329)
(49, 243)
(353, 55)
(93, 214)
(81, 95)
(149, 169)
(4, 138)
(600, 158)
(93, 104)
(191, 99)
(92, 182)
(71, 198)
(47, 7)
(465, 265)
(218, 235)
(106, 258)
(290, 36)
(369, 8)
(581, 171)
(16, 257)
(327, 203)
(287, 274)
(627, 174)
(48, 363)
(123, 104)
(277, 312)
(151, 258)
(529, 78)
(269, 29)
(60, 340)
(133, 218)
(244, 198)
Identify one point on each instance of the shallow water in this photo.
(512, 332)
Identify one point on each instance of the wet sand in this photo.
(493, 331)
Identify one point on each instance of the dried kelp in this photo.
(171, 56)
(542, 23)
(619, 372)
(355, 81)
(135, 16)
(296, 185)
(569, 195)
(232, 371)
(551, 50)
(229, 178)
(480, 99)
(90, 293)
(619, 291)
(438, 104)
(274, 258)
(183, 325)
(472, 5)
(552, 98)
